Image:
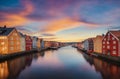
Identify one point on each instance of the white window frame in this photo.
(114, 47)
(108, 42)
(114, 42)
(108, 47)
(113, 38)
(114, 52)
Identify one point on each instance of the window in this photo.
(103, 46)
(113, 38)
(105, 39)
(17, 43)
(3, 48)
(3, 38)
(114, 47)
(18, 47)
(103, 51)
(114, 42)
(2, 43)
(11, 38)
(15, 34)
(11, 42)
(108, 47)
(107, 42)
(17, 39)
(103, 42)
(11, 48)
(114, 52)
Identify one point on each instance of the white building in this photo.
(86, 45)
(34, 42)
(22, 41)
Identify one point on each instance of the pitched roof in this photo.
(116, 33)
(5, 31)
(21, 34)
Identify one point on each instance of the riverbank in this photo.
(16, 54)
(102, 56)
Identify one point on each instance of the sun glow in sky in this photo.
(61, 20)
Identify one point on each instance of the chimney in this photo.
(4, 26)
(103, 35)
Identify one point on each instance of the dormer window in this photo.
(113, 38)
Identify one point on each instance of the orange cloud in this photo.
(13, 20)
(28, 8)
(63, 24)
(17, 19)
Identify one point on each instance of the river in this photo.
(64, 63)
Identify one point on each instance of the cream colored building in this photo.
(9, 40)
(38, 43)
(22, 42)
(98, 44)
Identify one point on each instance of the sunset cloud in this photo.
(13, 20)
(46, 18)
(63, 24)
(17, 18)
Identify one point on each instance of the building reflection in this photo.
(35, 56)
(11, 69)
(42, 54)
(4, 70)
(88, 59)
(107, 70)
(28, 60)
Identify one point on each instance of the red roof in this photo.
(116, 33)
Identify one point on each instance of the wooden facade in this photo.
(9, 41)
(98, 44)
(28, 41)
(111, 43)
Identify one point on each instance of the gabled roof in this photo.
(21, 34)
(5, 31)
(116, 33)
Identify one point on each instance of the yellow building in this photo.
(98, 44)
(9, 40)
(47, 44)
(38, 43)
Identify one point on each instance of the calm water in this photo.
(64, 63)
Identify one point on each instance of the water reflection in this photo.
(11, 69)
(107, 69)
(4, 70)
(65, 63)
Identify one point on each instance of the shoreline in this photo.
(22, 53)
(108, 58)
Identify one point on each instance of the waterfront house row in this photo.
(12, 41)
(108, 44)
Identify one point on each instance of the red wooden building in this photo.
(111, 43)
(28, 41)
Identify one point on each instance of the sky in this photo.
(61, 20)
